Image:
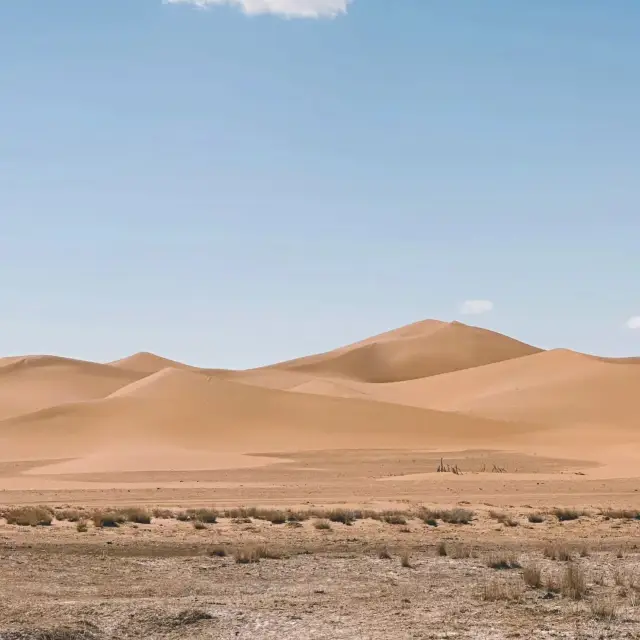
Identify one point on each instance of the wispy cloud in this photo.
(476, 307)
(286, 8)
(634, 322)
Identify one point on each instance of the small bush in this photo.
(277, 517)
(108, 519)
(217, 552)
(535, 518)
(394, 518)
(137, 515)
(442, 549)
(70, 515)
(405, 560)
(297, 516)
(255, 553)
(82, 526)
(384, 554)
(322, 525)
(431, 522)
(457, 516)
(621, 514)
(496, 590)
(29, 516)
(558, 552)
(182, 516)
(532, 576)
(564, 515)
(459, 551)
(199, 525)
(342, 515)
(574, 582)
(502, 561)
(604, 609)
(503, 518)
(163, 514)
(208, 516)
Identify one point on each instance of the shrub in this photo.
(199, 525)
(567, 514)
(457, 516)
(405, 560)
(70, 515)
(622, 514)
(208, 516)
(503, 518)
(459, 551)
(384, 554)
(137, 515)
(255, 553)
(217, 551)
(322, 525)
(535, 518)
(162, 514)
(557, 552)
(503, 561)
(82, 526)
(532, 576)
(442, 549)
(342, 515)
(108, 519)
(495, 590)
(574, 582)
(277, 517)
(29, 516)
(394, 518)
(604, 609)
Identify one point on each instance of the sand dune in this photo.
(35, 382)
(417, 351)
(175, 408)
(145, 362)
(555, 387)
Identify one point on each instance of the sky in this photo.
(233, 183)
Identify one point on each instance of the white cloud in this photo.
(634, 322)
(476, 307)
(286, 8)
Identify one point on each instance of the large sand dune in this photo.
(417, 351)
(430, 385)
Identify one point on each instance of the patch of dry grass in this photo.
(322, 525)
(565, 514)
(532, 576)
(29, 516)
(535, 518)
(252, 553)
(405, 560)
(503, 518)
(503, 561)
(558, 552)
(574, 582)
(604, 608)
(108, 518)
(496, 590)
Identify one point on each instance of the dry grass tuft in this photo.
(207, 516)
(535, 518)
(108, 519)
(82, 526)
(503, 561)
(384, 553)
(70, 515)
(621, 514)
(503, 518)
(558, 552)
(565, 514)
(29, 516)
(163, 514)
(459, 551)
(137, 515)
(254, 553)
(342, 516)
(496, 590)
(532, 576)
(574, 582)
(604, 609)
(322, 525)
(217, 552)
(391, 517)
(442, 549)
(405, 560)
(198, 525)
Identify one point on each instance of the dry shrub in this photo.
(208, 516)
(503, 518)
(604, 609)
(442, 549)
(297, 516)
(532, 576)
(322, 525)
(29, 516)
(574, 582)
(108, 519)
(384, 553)
(394, 518)
(241, 512)
(459, 551)
(70, 515)
(343, 516)
(405, 560)
(137, 515)
(495, 590)
(457, 516)
(621, 514)
(163, 514)
(565, 514)
(558, 552)
(217, 552)
(199, 525)
(254, 553)
(535, 518)
(182, 516)
(503, 561)
(82, 526)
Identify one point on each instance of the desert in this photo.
(437, 480)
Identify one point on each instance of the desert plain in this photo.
(435, 481)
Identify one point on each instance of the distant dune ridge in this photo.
(428, 385)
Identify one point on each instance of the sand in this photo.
(420, 391)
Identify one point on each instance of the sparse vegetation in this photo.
(341, 515)
(217, 551)
(532, 576)
(137, 515)
(535, 518)
(574, 582)
(322, 525)
(384, 553)
(442, 548)
(405, 560)
(82, 526)
(495, 590)
(558, 552)
(394, 518)
(565, 514)
(249, 554)
(503, 561)
(199, 525)
(29, 516)
(604, 608)
(503, 518)
(108, 519)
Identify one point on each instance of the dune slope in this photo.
(417, 351)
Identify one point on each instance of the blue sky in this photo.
(232, 189)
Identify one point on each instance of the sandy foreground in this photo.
(518, 430)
